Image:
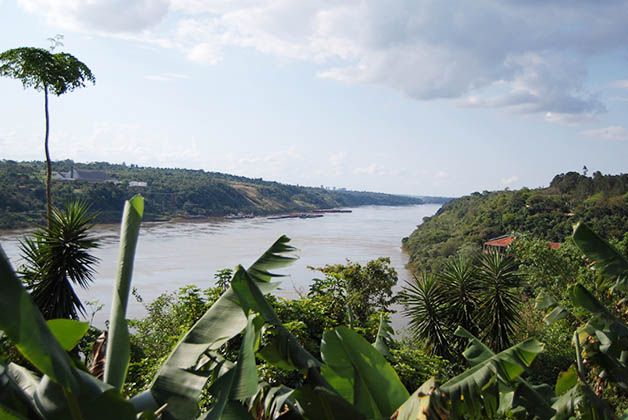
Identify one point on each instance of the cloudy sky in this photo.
(419, 96)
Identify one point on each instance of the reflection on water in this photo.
(171, 255)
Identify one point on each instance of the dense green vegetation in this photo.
(170, 193)
(462, 225)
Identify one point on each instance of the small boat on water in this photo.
(296, 216)
(332, 211)
(239, 216)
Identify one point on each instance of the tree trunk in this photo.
(48, 165)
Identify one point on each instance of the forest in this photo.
(461, 226)
(169, 193)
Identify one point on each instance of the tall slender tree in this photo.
(48, 72)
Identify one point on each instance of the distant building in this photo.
(500, 244)
(84, 175)
(138, 184)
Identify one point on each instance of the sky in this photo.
(424, 97)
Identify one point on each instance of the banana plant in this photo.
(602, 336)
(65, 390)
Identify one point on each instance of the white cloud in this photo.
(614, 132)
(623, 84)
(166, 77)
(108, 16)
(510, 181)
(536, 52)
(441, 174)
(569, 119)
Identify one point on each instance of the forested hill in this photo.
(169, 193)
(462, 225)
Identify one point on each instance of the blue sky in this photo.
(416, 97)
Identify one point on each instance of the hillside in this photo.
(462, 225)
(169, 193)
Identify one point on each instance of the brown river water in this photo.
(175, 254)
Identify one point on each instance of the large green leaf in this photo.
(353, 362)
(96, 400)
(272, 259)
(25, 326)
(384, 336)
(241, 381)
(251, 297)
(608, 260)
(118, 351)
(536, 400)
(321, 403)
(557, 312)
(176, 383)
(608, 345)
(466, 391)
(17, 386)
(68, 331)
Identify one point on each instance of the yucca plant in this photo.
(425, 304)
(498, 314)
(58, 257)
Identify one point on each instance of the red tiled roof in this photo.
(504, 241)
(500, 242)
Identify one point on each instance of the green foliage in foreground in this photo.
(351, 379)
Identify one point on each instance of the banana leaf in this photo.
(609, 349)
(355, 369)
(68, 332)
(17, 386)
(241, 380)
(608, 260)
(384, 336)
(177, 383)
(251, 298)
(118, 350)
(557, 312)
(22, 322)
(320, 403)
(473, 391)
(96, 400)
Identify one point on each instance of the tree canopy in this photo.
(41, 69)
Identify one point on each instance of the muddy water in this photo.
(170, 255)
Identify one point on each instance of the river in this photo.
(174, 254)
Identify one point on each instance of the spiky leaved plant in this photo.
(58, 256)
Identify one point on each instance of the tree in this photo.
(498, 312)
(44, 71)
(56, 256)
(365, 289)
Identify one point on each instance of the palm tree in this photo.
(461, 288)
(56, 257)
(51, 73)
(425, 304)
(497, 312)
